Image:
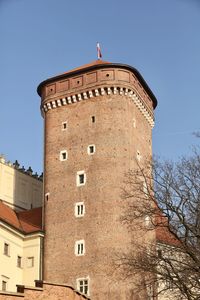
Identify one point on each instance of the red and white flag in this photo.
(99, 55)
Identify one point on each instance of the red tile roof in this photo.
(26, 221)
(91, 64)
(163, 234)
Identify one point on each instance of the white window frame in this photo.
(32, 260)
(78, 245)
(61, 155)
(88, 149)
(78, 178)
(77, 204)
(63, 123)
(78, 280)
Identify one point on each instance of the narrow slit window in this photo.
(19, 261)
(4, 285)
(64, 125)
(6, 250)
(93, 119)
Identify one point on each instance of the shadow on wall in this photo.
(19, 188)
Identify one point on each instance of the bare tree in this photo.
(162, 200)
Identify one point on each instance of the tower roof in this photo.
(100, 64)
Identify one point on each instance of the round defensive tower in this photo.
(98, 122)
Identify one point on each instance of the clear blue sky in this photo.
(42, 38)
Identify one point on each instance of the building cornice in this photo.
(82, 70)
(20, 232)
(84, 95)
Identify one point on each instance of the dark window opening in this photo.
(91, 149)
(81, 178)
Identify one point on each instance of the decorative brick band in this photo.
(51, 104)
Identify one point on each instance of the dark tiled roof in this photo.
(26, 221)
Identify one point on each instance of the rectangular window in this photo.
(30, 262)
(64, 125)
(79, 209)
(4, 285)
(91, 149)
(80, 247)
(93, 119)
(83, 286)
(63, 155)
(19, 261)
(80, 178)
(6, 250)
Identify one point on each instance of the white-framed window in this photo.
(30, 262)
(80, 178)
(91, 149)
(19, 261)
(79, 209)
(80, 247)
(138, 155)
(47, 196)
(6, 249)
(63, 155)
(64, 125)
(83, 285)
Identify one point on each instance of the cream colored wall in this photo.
(23, 246)
(31, 249)
(19, 188)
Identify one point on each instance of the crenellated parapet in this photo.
(21, 169)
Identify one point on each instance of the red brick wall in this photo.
(117, 141)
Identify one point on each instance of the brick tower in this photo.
(98, 121)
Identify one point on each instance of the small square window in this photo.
(80, 247)
(63, 155)
(79, 209)
(19, 261)
(64, 125)
(91, 149)
(30, 262)
(80, 178)
(83, 286)
(6, 250)
(4, 285)
(93, 119)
